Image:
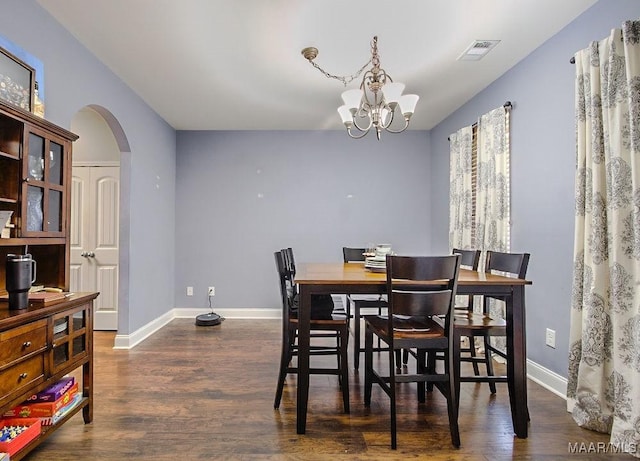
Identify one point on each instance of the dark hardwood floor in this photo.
(198, 393)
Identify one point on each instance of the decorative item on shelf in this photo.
(20, 274)
(17, 80)
(378, 261)
(5, 224)
(377, 103)
(38, 104)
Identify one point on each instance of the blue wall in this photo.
(541, 88)
(76, 79)
(222, 224)
(320, 191)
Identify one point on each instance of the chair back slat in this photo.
(285, 292)
(470, 259)
(512, 263)
(422, 286)
(422, 268)
(289, 261)
(421, 303)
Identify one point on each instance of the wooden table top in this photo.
(355, 273)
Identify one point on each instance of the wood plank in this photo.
(192, 393)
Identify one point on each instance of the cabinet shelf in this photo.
(9, 156)
(37, 325)
(46, 431)
(32, 241)
(8, 200)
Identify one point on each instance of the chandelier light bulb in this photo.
(392, 92)
(408, 104)
(352, 99)
(346, 116)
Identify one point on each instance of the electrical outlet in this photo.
(551, 338)
(212, 291)
(189, 291)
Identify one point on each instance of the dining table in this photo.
(354, 278)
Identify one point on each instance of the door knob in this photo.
(91, 254)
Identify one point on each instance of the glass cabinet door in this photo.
(44, 186)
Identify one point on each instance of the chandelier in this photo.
(377, 103)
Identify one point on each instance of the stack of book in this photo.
(50, 405)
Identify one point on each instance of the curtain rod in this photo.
(573, 58)
(507, 105)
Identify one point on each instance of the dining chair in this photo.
(421, 292)
(486, 325)
(469, 259)
(323, 328)
(356, 303)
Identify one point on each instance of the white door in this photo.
(94, 239)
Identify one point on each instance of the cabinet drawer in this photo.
(21, 376)
(22, 341)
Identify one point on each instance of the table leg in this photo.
(517, 361)
(304, 326)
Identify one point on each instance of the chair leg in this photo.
(285, 358)
(452, 369)
(421, 358)
(344, 367)
(489, 362)
(431, 368)
(368, 365)
(398, 354)
(392, 397)
(472, 352)
(356, 336)
(339, 356)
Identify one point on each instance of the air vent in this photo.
(477, 50)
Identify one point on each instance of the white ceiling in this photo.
(236, 64)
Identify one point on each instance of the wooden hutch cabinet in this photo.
(35, 176)
(40, 344)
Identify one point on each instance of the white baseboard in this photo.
(548, 379)
(135, 338)
(130, 341)
(537, 373)
(244, 313)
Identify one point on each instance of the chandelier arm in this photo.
(391, 117)
(359, 115)
(364, 133)
(406, 125)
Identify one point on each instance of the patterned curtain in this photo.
(493, 197)
(460, 193)
(492, 201)
(604, 344)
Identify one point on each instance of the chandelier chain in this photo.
(344, 79)
(375, 58)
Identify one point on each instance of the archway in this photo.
(103, 143)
